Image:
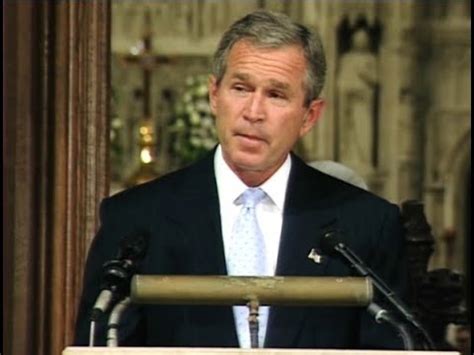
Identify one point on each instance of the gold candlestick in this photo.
(147, 164)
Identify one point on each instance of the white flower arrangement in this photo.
(194, 131)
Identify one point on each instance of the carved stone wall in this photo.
(447, 130)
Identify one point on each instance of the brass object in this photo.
(232, 290)
(146, 170)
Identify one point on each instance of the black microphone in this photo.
(331, 245)
(117, 274)
(382, 315)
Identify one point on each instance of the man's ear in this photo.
(315, 111)
(212, 87)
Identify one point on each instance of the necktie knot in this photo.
(251, 197)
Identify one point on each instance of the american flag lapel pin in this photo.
(313, 255)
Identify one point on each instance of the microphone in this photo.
(117, 274)
(114, 321)
(331, 245)
(381, 315)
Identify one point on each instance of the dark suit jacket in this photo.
(180, 212)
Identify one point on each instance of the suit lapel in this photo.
(202, 218)
(306, 214)
(207, 244)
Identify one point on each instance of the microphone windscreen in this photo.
(133, 247)
(329, 242)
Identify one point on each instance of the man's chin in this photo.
(247, 162)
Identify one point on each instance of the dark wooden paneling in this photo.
(56, 83)
(19, 214)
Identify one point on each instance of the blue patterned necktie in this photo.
(247, 257)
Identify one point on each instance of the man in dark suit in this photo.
(264, 91)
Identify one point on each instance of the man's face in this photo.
(259, 107)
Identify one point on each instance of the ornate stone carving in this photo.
(436, 296)
(356, 85)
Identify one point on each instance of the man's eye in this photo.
(240, 89)
(276, 95)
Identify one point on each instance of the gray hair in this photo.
(274, 30)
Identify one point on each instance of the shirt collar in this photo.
(230, 187)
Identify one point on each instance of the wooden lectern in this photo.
(232, 351)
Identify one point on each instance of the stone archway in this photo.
(467, 249)
(455, 219)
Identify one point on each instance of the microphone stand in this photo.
(117, 274)
(100, 306)
(92, 333)
(381, 315)
(380, 285)
(253, 323)
(114, 320)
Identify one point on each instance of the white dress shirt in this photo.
(269, 211)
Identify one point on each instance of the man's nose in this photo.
(254, 111)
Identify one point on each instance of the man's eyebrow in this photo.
(240, 76)
(279, 85)
(275, 84)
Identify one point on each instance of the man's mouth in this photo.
(250, 137)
